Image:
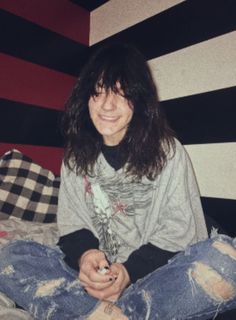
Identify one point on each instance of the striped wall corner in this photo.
(191, 49)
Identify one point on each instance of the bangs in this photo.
(110, 67)
(121, 69)
(110, 78)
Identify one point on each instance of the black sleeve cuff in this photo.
(75, 244)
(145, 260)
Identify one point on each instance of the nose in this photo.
(109, 101)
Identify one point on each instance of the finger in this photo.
(84, 284)
(84, 280)
(104, 271)
(99, 277)
(102, 294)
(87, 267)
(101, 260)
(121, 273)
(91, 270)
(115, 289)
(104, 283)
(113, 298)
(115, 269)
(103, 263)
(95, 285)
(94, 293)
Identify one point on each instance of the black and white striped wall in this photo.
(191, 48)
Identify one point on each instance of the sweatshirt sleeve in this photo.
(145, 260)
(180, 221)
(74, 244)
(73, 213)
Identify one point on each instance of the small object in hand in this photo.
(103, 270)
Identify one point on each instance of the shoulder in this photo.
(174, 150)
(177, 157)
(68, 171)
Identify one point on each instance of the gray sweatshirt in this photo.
(124, 214)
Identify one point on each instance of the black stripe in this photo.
(203, 118)
(183, 25)
(89, 5)
(26, 40)
(223, 211)
(27, 124)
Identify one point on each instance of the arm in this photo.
(74, 223)
(84, 240)
(73, 213)
(180, 221)
(145, 260)
(78, 238)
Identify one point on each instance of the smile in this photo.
(108, 118)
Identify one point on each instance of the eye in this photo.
(98, 91)
(122, 95)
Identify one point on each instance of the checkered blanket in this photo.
(27, 191)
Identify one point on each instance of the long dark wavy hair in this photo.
(148, 139)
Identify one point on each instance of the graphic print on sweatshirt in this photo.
(115, 204)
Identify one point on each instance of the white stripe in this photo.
(203, 67)
(207, 66)
(117, 15)
(215, 169)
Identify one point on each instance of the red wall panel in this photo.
(61, 16)
(26, 82)
(48, 157)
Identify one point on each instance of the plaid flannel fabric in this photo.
(27, 191)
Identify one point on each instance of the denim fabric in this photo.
(6, 302)
(171, 293)
(37, 279)
(14, 314)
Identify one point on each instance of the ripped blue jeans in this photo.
(195, 284)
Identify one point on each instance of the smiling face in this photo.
(111, 114)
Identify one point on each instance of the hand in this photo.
(112, 292)
(90, 262)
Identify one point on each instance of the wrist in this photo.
(127, 277)
(86, 253)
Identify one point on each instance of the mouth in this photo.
(109, 118)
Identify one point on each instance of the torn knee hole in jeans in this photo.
(47, 288)
(8, 270)
(212, 282)
(225, 248)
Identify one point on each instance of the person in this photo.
(133, 240)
